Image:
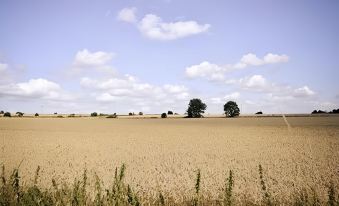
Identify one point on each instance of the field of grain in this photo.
(164, 154)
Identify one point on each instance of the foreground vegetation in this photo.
(120, 193)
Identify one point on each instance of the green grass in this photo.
(80, 192)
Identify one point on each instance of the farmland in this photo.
(165, 154)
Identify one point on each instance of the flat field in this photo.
(164, 154)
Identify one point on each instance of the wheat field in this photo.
(165, 154)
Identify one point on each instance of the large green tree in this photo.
(195, 108)
(231, 109)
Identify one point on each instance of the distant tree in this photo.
(314, 112)
(164, 115)
(55, 113)
(36, 114)
(112, 116)
(94, 114)
(231, 109)
(321, 111)
(170, 113)
(130, 114)
(20, 114)
(140, 113)
(7, 114)
(260, 112)
(195, 108)
(1, 112)
(71, 115)
(335, 111)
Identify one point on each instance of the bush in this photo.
(7, 114)
(60, 116)
(36, 114)
(1, 112)
(260, 112)
(112, 116)
(195, 108)
(319, 112)
(94, 114)
(20, 114)
(170, 113)
(140, 113)
(55, 113)
(71, 115)
(164, 115)
(231, 109)
(131, 114)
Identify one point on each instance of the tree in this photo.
(140, 113)
(231, 109)
(20, 114)
(7, 114)
(2, 112)
(163, 115)
(94, 114)
(260, 112)
(36, 114)
(195, 108)
(170, 113)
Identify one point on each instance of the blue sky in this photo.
(153, 56)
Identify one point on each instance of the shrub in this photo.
(140, 113)
(60, 116)
(112, 116)
(7, 114)
(55, 113)
(94, 114)
(164, 115)
(71, 115)
(170, 113)
(20, 114)
(260, 112)
(131, 114)
(36, 114)
(195, 108)
(231, 109)
(1, 112)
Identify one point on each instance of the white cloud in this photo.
(175, 88)
(206, 70)
(85, 58)
(153, 27)
(255, 82)
(127, 15)
(303, 92)
(129, 87)
(274, 58)
(3, 67)
(34, 88)
(214, 72)
(232, 96)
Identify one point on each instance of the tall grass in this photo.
(81, 193)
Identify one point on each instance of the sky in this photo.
(155, 55)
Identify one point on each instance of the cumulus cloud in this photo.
(153, 27)
(221, 100)
(127, 15)
(86, 61)
(85, 58)
(34, 88)
(3, 67)
(206, 70)
(303, 92)
(214, 72)
(128, 86)
(255, 82)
